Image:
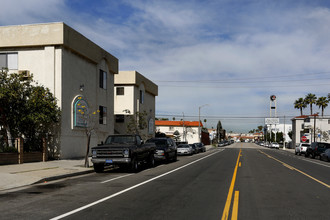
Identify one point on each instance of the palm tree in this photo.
(322, 102)
(300, 104)
(310, 99)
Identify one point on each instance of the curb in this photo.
(52, 178)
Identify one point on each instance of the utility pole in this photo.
(284, 135)
(199, 122)
(183, 133)
(314, 125)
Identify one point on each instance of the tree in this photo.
(300, 104)
(322, 102)
(90, 119)
(26, 108)
(220, 131)
(310, 99)
(137, 123)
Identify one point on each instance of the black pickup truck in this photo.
(127, 151)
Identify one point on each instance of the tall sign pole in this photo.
(273, 101)
(272, 108)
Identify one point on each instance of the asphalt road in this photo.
(244, 181)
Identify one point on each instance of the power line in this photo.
(255, 81)
(240, 79)
(222, 116)
(248, 86)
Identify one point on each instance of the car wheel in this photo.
(151, 161)
(98, 168)
(175, 157)
(134, 165)
(167, 158)
(306, 154)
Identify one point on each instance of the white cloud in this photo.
(213, 40)
(17, 12)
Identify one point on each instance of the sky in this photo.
(217, 59)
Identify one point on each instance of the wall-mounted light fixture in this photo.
(82, 87)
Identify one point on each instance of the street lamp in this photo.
(199, 121)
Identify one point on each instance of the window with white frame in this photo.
(103, 79)
(9, 61)
(102, 115)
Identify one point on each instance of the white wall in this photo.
(191, 133)
(126, 101)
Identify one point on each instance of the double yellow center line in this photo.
(234, 213)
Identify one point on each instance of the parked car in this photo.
(185, 149)
(201, 147)
(221, 144)
(301, 148)
(166, 149)
(195, 148)
(325, 155)
(316, 148)
(275, 145)
(124, 151)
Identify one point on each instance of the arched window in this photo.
(80, 112)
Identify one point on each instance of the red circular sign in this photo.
(303, 138)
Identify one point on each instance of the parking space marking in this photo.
(116, 178)
(130, 188)
(293, 168)
(304, 159)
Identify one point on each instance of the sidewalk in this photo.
(18, 175)
(288, 149)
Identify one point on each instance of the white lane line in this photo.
(116, 178)
(310, 160)
(128, 189)
(314, 162)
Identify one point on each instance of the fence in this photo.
(21, 156)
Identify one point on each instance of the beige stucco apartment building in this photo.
(134, 94)
(77, 71)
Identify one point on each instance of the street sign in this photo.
(272, 121)
(303, 138)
